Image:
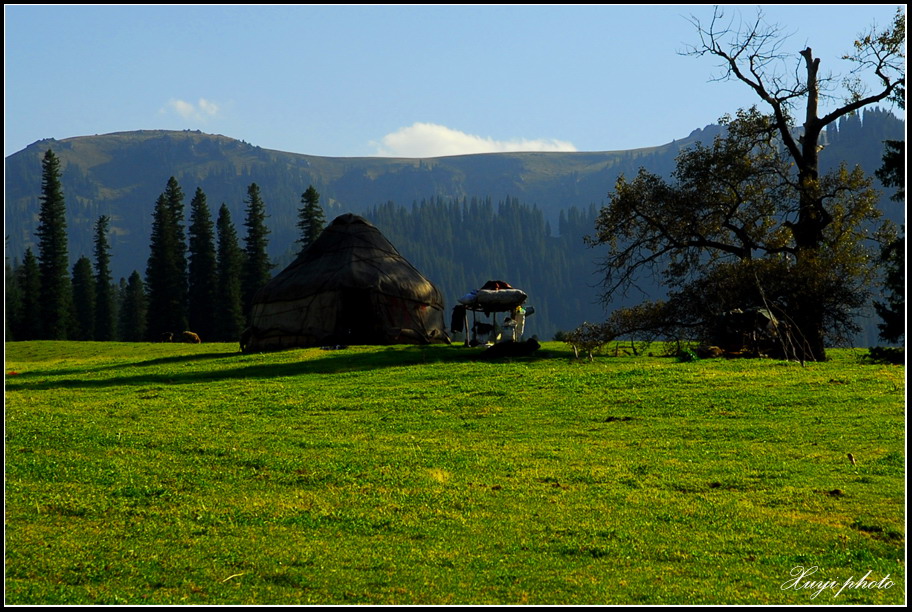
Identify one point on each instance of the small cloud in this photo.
(184, 109)
(210, 108)
(432, 140)
(187, 110)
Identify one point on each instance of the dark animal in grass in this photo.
(167, 337)
(190, 338)
(483, 329)
(709, 352)
(511, 348)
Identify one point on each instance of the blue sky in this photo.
(412, 81)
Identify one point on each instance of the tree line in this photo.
(198, 277)
(461, 243)
(749, 219)
(201, 276)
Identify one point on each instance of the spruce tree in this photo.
(202, 268)
(83, 300)
(256, 261)
(893, 255)
(28, 277)
(132, 312)
(166, 284)
(174, 196)
(105, 324)
(311, 219)
(13, 301)
(229, 311)
(53, 260)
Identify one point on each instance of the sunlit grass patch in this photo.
(171, 474)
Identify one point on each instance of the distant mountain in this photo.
(122, 174)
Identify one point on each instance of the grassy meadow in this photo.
(194, 474)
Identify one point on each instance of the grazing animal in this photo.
(709, 352)
(190, 337)
(167, 337)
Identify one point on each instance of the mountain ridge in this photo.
(121, 174)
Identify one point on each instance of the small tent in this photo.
(351, 286)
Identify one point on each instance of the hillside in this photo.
(122, 174)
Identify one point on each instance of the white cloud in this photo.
(432, 140)
(187, 110)
(208, 107)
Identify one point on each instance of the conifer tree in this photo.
(893, 255)
(28, 279)
(257, 268)
(202, 268)
(174, 196)
(133, 308)
(229, 312)
(166, 281)
(105, 324)
(311, 219)
(12, 301)
(83, 300)
(53, 260)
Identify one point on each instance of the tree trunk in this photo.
(813, 217)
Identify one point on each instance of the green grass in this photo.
(193, 474)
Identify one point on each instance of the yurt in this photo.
(351, 286)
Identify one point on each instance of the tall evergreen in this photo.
(229, 311)
(53, 260)
(166, 283)
(893, 255)
(202, 268)
(105, 323)
(257, 268)
(310, 217)
(174, 196)
(12, 314)
(133, 308)
(83, 300)
(28, 277)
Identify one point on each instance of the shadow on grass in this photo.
(251, 366)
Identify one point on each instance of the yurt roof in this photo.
(350, 253)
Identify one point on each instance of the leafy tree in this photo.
(53, 260)
(166, 277)
(83, 300)
(311, 219)
(105, 322)
(727, 214)
(133, 310)
(203, 281)
(811, 221)
(229, 312)
(256, 272)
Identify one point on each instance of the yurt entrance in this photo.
(359, 321)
